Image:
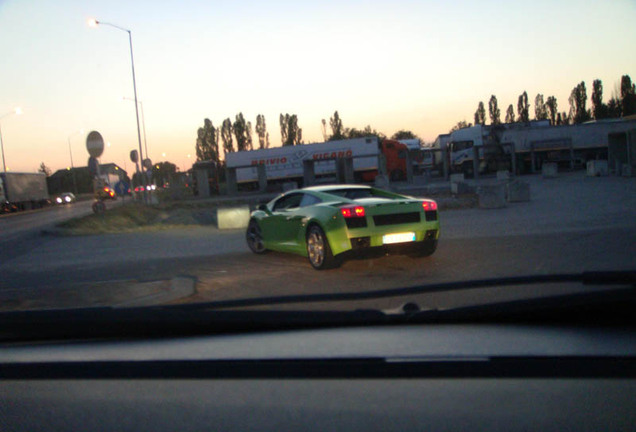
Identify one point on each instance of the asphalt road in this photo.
(571, 225)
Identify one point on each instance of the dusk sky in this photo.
(415, 65)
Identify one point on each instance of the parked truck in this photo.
(286, 163)
(22, 191)
(533, 143)
(422, 158)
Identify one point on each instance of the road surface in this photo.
(572, 224)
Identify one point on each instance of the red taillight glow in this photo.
(350, 212)
(429, 205)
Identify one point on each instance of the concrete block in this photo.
(549, 170)
(492, 196)
(457, 178)
(287, 186)
(503, 175)
(597, 168)
(461, 188)
(233, 217)
(518, 191)
(381, 181)
(309, 172)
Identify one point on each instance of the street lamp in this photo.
(81, 131)
(94, 23)
(143, 122)
(16, 111)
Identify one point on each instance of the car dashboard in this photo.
(393, 377)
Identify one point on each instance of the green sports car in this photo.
(328, 223)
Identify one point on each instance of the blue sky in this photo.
(416, 65)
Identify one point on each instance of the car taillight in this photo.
(350, 212)
(429, 205)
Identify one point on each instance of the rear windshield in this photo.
(353, 193)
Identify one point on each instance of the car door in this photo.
(282, 226)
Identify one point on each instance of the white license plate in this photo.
(398, 238)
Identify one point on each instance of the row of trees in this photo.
(211, 139)
(547, 109)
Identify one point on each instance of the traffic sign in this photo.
(95, 144)
(121, 187)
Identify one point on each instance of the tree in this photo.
(540, 108)
(599, 109)
(240, 133)
(572, 101)
(460, 125)
(323, 127)
(493, 111)
(261, 131)
(480, 114)
(552, 108)
(628, 96)
(290, 133)
(337, 130)
(523, 108)
(578, 100)
(248, 135)
(294, 133)
(510, 114)
(614, 108)
(402, 134)
(44, 169)
(207, 146)
(226, 136)
(368, 132)
(284, 121)
(164, 173)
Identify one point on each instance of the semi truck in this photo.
(284, 164)
(22, 191)
(422, 158)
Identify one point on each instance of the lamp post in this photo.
(143, 123)
(71, 154)
(16, 111)
(94, 23)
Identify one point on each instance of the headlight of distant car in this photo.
(58, 200)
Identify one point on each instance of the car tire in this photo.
(318, 249)
(424, 249)
(254, 238)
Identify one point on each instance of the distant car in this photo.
(106, 193)
(326, 223)
(65, 198)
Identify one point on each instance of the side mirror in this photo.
(262, 207)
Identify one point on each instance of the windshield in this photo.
(189, 152)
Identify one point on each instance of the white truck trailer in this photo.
(22, 191)
(286, 163)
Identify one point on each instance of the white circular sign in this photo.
(95, 144)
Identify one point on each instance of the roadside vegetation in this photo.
(136, 217)
(175, 214)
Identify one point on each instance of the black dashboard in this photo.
(404, 377)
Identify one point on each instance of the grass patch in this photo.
(136, 217)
